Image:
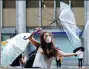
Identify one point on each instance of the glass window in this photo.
(6, 36)
(32, 3)
(9, 3)
(49, 3)
(74, 3)
(77, 3)
(35, 3)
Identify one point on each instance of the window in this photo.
(77, 3)
(49, 3)
(32, 3)
(74, 3)
(35, 3)
(9, 3)
(6, 36)
(58, 2)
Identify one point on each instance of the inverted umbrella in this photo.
(68, 22)
(14, 48)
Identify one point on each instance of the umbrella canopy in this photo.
(14, 48)
(68, 22)
(77, 49)
(85, 29)
(3, 43)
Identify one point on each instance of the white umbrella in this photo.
(14, 48)
(4, 43)
(69, 24)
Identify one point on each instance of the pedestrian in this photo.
(58, 61)
(80, 54)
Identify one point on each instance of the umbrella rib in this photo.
(17, 48)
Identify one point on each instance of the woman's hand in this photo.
(38, 30)
(61, 53)
(32, 40)
(34, 31)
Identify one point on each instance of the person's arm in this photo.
(32, 40)
(61, 53)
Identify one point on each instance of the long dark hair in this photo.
(47, 47)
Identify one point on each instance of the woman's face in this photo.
(47, 38)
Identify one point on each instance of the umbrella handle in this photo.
(34, 31)
(25, 38)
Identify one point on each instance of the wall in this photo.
(9, 16)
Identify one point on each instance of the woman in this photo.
(46, 50)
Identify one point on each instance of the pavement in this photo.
(65, 64)
(68, 64)
(54, 66)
